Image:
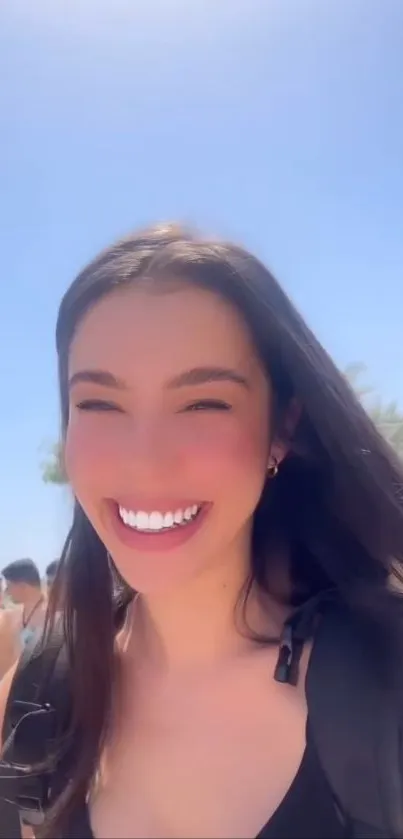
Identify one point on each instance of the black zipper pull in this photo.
(290, 651)
(285, 655)
(298, 629)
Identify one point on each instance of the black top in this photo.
(306, 812)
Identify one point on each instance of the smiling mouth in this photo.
(158, 521)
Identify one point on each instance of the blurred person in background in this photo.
(20, 625)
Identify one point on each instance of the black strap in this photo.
(35, 724)
(356, 727)
(25, 619)
(299, 628)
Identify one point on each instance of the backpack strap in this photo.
(356, 725)
(36, 720)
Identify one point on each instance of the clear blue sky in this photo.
(278, 122)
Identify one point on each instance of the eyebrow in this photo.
(97, 377)
(194, 376)
(204, 375)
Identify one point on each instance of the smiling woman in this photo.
(165, 382)
(229, 484)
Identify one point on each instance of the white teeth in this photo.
(141, 521)
(169, 519)
(157, 521)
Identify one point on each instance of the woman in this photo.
(224, 472)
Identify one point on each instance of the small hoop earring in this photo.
(272, 469)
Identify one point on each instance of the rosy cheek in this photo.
(84, 451)
(229, 447)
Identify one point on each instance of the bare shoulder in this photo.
(5, 619)
(5, 687)
(10, 619)
(10, 647)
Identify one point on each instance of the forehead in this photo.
(180, 327)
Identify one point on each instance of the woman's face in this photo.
(167, 443)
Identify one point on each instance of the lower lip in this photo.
(162, 541)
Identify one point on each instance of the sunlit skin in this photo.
(157, 437)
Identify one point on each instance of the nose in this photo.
(150, 449)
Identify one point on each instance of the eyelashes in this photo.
(100, 406)
(208, 405)
(97, 405)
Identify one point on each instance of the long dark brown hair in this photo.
(336, 504)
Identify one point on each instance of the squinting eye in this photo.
(96, 405)
(208, 405)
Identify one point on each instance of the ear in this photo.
(282, 443)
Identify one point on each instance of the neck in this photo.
(32, 596)
(201, 623)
